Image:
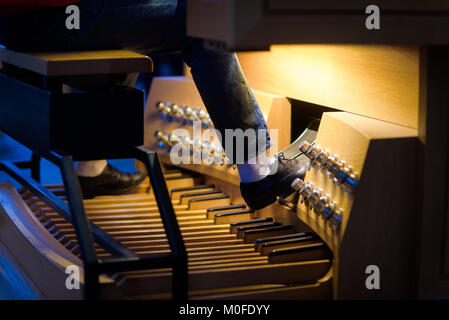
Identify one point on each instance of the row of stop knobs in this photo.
(183, 114)
(209, 150)
(341, 173)
(316, 201)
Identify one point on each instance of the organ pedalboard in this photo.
(357, 196)
(352, 210)
(233, 254)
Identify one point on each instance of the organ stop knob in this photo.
(336, 219)
(338, 171)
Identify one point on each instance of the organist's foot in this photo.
(110, 181)
(277, 183)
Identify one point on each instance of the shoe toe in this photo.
(138, 177)
(110, 182)
(261, 194)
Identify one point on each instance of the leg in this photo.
(147, 25)
(100, 178)
(154, 26)
(231, 105)
(226, 95)
(90, 168)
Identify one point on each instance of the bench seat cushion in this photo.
(79, 63)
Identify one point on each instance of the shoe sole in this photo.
(116, 193)
(285, 191)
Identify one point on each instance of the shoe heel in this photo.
(287, 192)
(290, 202)
(262, 203)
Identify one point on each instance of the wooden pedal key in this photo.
(267, 247)
(261, 241)
(250, 236)
(233, 216)
(307, 252)
(211, 212)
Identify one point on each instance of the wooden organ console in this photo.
(367, 200)
(320, 252)
(322, 52)
(361, 194)
(233, 252)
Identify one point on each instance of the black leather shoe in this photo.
(308, 135)
(261, 194)
(291, 165)
(110, 182)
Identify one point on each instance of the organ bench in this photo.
(95, 119)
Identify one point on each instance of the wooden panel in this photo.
(433, 267)
(381, 229)
(375, 81)
(355, 134)
(319, 290)
(257, 24)
(231, 277)
(79, 63)
(40, 254)
(15, 283)
(357, 5)
(379, 218)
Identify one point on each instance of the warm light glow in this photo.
(375, 81)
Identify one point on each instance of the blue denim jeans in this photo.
(149, 26)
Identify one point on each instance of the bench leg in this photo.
(171, 226)
(81, 224)
(36, 167)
